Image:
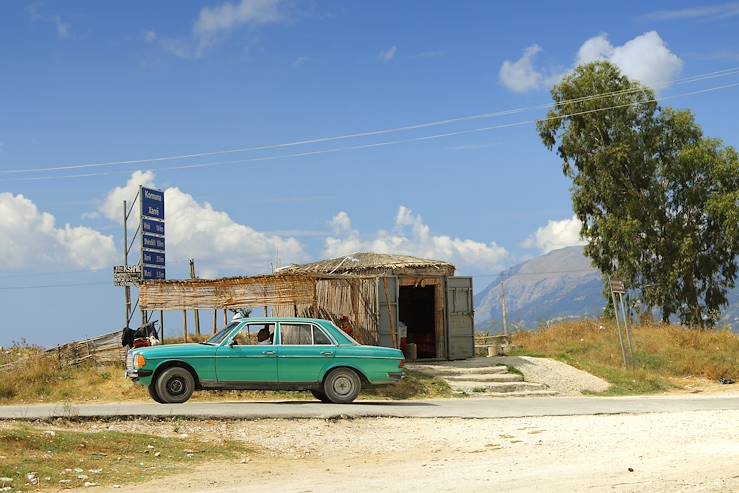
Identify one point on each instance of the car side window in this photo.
(320, 337)
(295, 334)
(255, 334)
(302, 334)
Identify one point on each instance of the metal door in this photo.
(460, 318)
(387, 297)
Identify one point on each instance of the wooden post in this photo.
(215, 320)
(225, 317)
(184, 312)
(315, 298)
(390, 314)
(505, 309)
(197, 312)
(161, 325)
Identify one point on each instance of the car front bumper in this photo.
(137, 373)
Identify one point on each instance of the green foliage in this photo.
(658, 201)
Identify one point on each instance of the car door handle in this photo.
(328, 353)
(268, 353)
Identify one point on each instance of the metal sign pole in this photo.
(618, 325)
(628, 331)
(127, 294)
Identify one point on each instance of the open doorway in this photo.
(417, 310)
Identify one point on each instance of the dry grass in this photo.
(41, 460)
(662, 352)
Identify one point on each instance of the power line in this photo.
(695, 78)
(387, 143)
(67, 285)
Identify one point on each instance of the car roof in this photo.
(281, 319)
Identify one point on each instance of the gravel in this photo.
(558, 376)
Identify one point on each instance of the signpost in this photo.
(152, 262)
(126, 275)
(618, 287)
(152, 234)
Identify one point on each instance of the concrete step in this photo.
(483, 378)
(442, 371)
(471, 387)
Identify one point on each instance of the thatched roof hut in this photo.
(373, 265)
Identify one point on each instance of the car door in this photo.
(304, 350)
(241, 361)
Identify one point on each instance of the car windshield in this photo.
(217, 339)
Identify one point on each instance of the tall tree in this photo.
(658, 201)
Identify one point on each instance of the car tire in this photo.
(175, 385)
(342, 386)
(153, 393)
(318, 394)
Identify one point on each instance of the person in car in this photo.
(264, 337)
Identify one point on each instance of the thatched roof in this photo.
(372, 264)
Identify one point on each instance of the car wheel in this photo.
(320, 395)
(342, 386)
(153, 394)
(175, 385)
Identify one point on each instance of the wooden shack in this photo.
(375, 291)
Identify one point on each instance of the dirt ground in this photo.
(693, 451)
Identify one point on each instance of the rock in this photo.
(88, 484)
(150, 447)
(116, 486)
(82, 476)
(78, 470)
(157, 454)
(631, 469)
(6, 480)
(50, 433)
(95, 471)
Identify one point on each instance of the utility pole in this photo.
(197, 313)
(505, 309)
(125, 262)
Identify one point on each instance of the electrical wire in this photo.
(392, 142)
(691, 79)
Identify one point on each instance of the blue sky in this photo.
(96, 82)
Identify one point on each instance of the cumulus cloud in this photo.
(410, 235)
(521, 75)
(30, 239)
(214, 23)
(645, 58)
(197, 230)
(387, 55)
(556, 234)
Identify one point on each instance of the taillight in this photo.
(402, 363)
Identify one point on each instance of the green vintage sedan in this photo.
(267, 354)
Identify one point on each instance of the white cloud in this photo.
(301, 60)
(412, 236)
(521, 75)
(387, 55)
(150, 36)
(62, 28)
(706, 12)
(645, 58)
(212, 237)
(214, 23)
(556, 234)
(30, 239)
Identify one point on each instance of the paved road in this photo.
(453, 408)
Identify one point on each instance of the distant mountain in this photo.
(560, 284)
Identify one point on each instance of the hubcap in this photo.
(176, 386)
(343, 385)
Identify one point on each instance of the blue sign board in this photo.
(152, 203)
(151, 226)
(153, 273)
(153, 258)
(152, 242)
